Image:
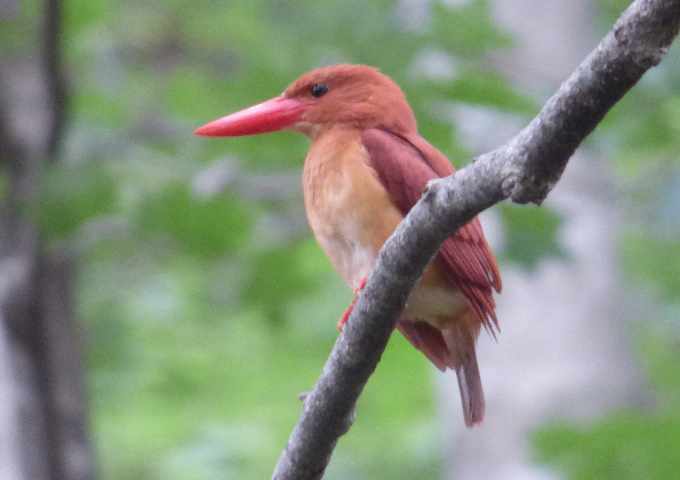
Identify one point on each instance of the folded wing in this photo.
(404, 164)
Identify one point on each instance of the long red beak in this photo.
(275, 114)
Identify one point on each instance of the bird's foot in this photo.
(348, 312)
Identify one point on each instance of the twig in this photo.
(524, 170)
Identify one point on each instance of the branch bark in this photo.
(523, 170)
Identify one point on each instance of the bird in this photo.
(366, 167)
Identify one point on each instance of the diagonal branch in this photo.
(524, 170)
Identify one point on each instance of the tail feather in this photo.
(454, 348)
(460, 342)
(471, 392)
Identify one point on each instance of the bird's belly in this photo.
(352, 236)
(352, 261)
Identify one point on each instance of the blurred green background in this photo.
(207, 307)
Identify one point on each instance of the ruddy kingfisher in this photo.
(366, 168)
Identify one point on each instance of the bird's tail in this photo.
(461, 346)
(471, 392)
(453, 347)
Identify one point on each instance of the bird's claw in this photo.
(348, 312)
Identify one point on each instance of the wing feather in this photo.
(404, 165)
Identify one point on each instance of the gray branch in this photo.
(523, 170)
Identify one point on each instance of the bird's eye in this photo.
(319, 90)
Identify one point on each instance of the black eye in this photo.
(319, 90)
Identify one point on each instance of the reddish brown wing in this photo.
(404, 165)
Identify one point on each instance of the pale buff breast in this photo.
(351, 215)
(342, 196)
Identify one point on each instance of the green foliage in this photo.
(73, 195)
(204, 227)
(282, 273)
(626, 446)
(654, 260)
(646, 126)
(486, 88)
(468, 30)
(611, 9)
(102, 110)
(84, 15)
(531, 234)
(15, 31)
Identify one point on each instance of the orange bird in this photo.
(366, 167)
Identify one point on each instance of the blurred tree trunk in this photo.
(551, 361)
(43, 412)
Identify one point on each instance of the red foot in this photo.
(348, 312)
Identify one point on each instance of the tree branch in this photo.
(524, 170)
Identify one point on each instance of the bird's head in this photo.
(355, 96)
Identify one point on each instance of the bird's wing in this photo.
(404, 165)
